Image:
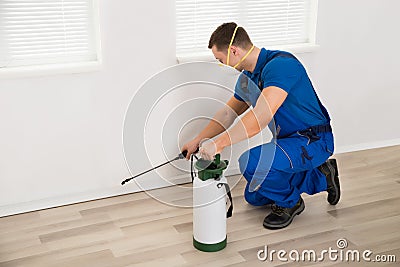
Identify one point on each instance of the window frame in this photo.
(62, 68)
(309, 47)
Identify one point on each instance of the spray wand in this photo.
(180, 156)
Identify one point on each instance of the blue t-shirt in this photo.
(301, 108)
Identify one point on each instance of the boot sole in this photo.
(334, 180)
(283, 225)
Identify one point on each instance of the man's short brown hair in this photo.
(222, 36)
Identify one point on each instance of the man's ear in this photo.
(235, 50)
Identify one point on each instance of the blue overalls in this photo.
(279, 171)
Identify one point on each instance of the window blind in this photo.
(37, 32)
(268, 22)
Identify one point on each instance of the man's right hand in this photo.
(191, 147)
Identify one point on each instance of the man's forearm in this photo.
(246, 128)
(250, 124)
(256, 119)
(211, 130)
(222, 120)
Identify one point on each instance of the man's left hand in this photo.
(209, 148)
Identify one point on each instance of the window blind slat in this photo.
(268, 22)
(46, 31)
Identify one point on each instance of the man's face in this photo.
(221, 56)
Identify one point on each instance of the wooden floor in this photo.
(136, 230)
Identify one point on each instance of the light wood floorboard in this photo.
(137, 230)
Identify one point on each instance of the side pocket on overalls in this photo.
(287, 155)
(304, 155)
(312, 137)
(330, 147)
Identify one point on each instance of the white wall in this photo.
(61, 136)
(356, 70)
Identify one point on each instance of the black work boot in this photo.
(281, 217)
(330, 170)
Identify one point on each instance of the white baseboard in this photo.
(47, 203)
(40, 204)
(366, 146)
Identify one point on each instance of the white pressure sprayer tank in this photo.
(210, 189)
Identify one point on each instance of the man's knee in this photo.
(248, 163)
(250, 198)
(255, 199)
(243, 161)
